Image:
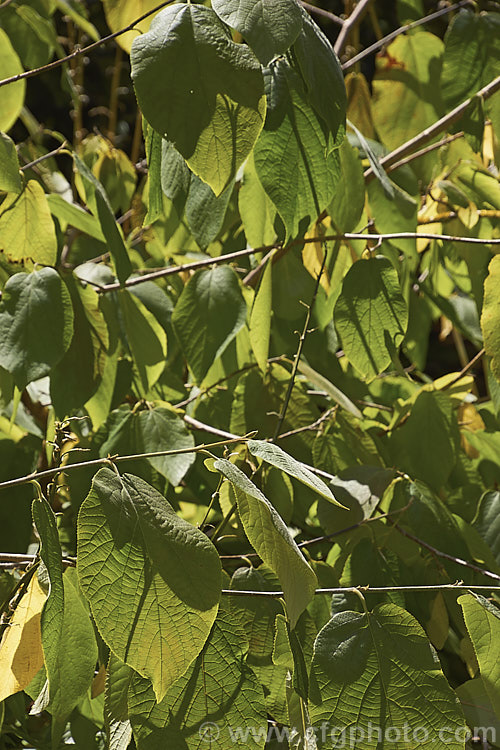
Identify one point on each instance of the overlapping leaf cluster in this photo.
(221, 470)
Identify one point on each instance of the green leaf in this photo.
(13, 93)
(406, 95)
(483, 623)
(274, 455)
(431, 461)
(471, 55)
(205, 211)
(156, 429)
(217, 696)
(348, 201)
(322, 75)
(490, 317)
(146, 338)
(152, 579)
(122, 13)
(26, 228)
(77, 376)
(478, 709)
(271, 540)
(75, 216)
(10, 179)
(295, 141)
(208, 315)
(269, 26)
(335, 393)
(153, 148)
(257, 211)
(175, 173)
(260, 318)
(118, 727)
(162, 429)
(110, 229)
(376, 672)
(68, 640)
(487, 521)
(371, 316)
(200, 90)
(36, 324)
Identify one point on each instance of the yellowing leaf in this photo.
(26, 228)
(21, 654)
(12, 95)
(121, 13)
(490, 319)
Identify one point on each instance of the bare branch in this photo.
(438, 127)
(349, 24)
(402, 30)
(81, 50)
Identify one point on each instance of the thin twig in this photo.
(465, 369)
(402, 30)
(169, 270)
(81, 50)
(5, 3)
(367, 590)
(349, 24)
(298, 354)
(424, 151)
(446, 556)
(44, 157)
(433, 130)
(35, 476)
(323, 13)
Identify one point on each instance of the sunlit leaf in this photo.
(152, 579)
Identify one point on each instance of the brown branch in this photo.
(45, 156)
(323, 13)
(438, 127)
(402, 30)
(466, 369)
(81, 50)
(349, 24)
(195, 265)
(439, 553)
(424, 151)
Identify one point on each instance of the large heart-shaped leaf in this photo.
(200, 90)
(153, 581)
(376, 679)
(36, 324)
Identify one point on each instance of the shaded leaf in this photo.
(36, 324)
(146, 338)
(269, 26)
(295, 141)
(200, 90)
(208, 315)
(371, 315)
(378, 671)
(207, 707)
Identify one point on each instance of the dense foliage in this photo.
(249, 375)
